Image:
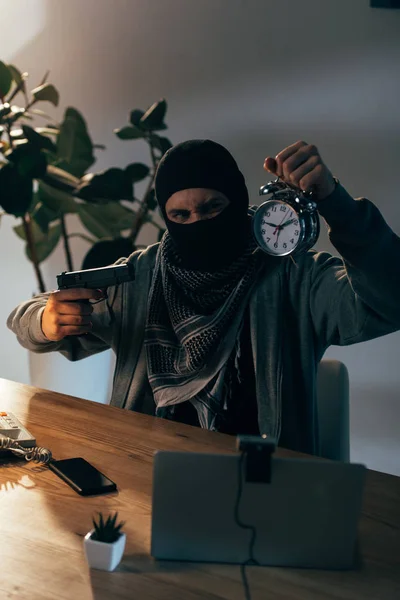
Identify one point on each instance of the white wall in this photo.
(254, 75)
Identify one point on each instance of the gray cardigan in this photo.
(296, 312)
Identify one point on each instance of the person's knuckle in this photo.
(57, 330)
(54, 319)
(51, 310)
(51, 301)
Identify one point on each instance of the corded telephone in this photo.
(78, 473)
(16, 438)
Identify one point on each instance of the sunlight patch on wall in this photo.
(21, 22)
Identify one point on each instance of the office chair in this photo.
(333, 410)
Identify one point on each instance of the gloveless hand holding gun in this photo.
(68, 310)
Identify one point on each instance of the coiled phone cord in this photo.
(36, 454)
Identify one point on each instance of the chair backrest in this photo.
(333, 410)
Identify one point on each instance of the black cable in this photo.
(251, 560)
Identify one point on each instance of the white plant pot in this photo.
(101, 555)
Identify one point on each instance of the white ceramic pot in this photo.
(101, 555)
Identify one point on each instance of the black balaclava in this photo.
(209, 244)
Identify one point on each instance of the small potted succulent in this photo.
(105, 544)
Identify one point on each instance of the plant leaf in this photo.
(106, 252)
(112, 184)
(46, 93)
(16, 190)
(40, 113)
(43, 216)
(108, 531)
(37, 139)
(29, 160)
(44, 243)
(107, 220)
(61, 179)
(16, 74)
(151, 199)
(36, 231)
(161, 143)
(47, 130)
(18, 134)
(5, 110)
(135, 116)
(16, 112)
(137, 171)
(74, 145)
(113, 519)
(47, 243)
(129, 132)
(5, 80)
(153, 118)
(57, 200)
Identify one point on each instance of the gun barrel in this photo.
(102, 277)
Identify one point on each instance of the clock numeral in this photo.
(296, 222)
(285, 245)
(275, 245)
(268, 214)
(292, 241)
(263, 231)
(273, 209)
(268, 239)
(296, 232)
(283, 208)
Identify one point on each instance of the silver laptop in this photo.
(306, 517)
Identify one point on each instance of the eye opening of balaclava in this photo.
(207, 244)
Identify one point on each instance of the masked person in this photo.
(214, 332)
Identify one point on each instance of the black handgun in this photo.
(100, 278)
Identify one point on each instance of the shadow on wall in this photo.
(374, 430)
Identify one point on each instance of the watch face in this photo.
(277, 228)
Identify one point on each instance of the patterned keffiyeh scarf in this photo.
(193, 322)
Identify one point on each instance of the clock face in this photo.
(277, 228)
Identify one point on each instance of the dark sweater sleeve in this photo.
(354, 298)
(26, 322)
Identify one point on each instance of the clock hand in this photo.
(286, 223)
(279, 227)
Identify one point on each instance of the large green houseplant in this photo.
(44, 176)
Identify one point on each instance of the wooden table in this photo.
(43, 521)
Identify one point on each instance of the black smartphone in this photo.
(83, 477)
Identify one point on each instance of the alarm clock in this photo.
(287, 222)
